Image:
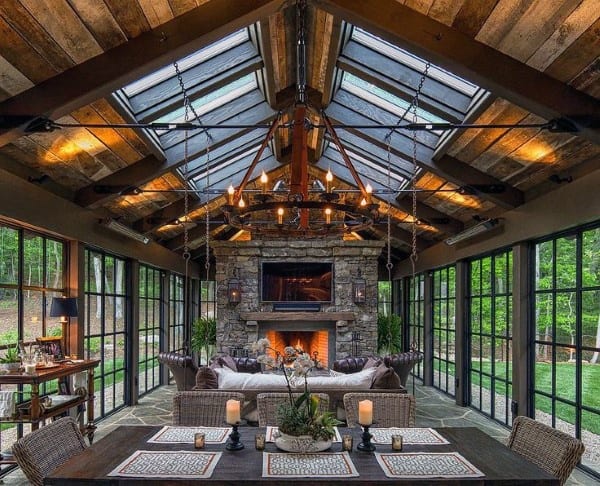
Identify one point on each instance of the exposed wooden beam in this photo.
(472, 60)
(431, 216)
(286, 98)
(264, 46)
(455, 171)
(100, 75)
(165, 215)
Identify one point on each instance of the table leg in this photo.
(35, 406)
(90, 427)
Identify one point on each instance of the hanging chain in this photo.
(207, 217)
(389, 264)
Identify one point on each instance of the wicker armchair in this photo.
(43, 450)
(552, 450)
(202, 407)
(268, 403)
(389, 409)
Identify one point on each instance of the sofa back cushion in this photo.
(353, 364)
(206, 379)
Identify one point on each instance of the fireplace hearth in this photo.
(329, 323)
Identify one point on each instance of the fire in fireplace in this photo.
(310, 342)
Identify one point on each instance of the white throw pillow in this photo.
(233, 380)
(354, 381)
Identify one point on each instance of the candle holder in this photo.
(233, 443)
(366, 444)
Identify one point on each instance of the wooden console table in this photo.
(34, 413)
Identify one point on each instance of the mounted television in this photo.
(296, 282)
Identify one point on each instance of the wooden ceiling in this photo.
(529, 62)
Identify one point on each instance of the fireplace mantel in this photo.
(297, 316)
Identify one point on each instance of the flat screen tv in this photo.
(296, 282)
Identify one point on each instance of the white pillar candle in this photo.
(365, 412)
(232, 411)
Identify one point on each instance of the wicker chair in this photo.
(389, 409)
(43, 450)
(202, 407)
(552, 450)
(268, 403)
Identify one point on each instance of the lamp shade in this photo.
(63, 307)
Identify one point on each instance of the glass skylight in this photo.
(187, 62)
(228, 161)
(385, 99)
(413, 61)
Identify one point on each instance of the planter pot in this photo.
(10, 366)
(301, 443)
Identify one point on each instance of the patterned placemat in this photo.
(427, 465)
(168, 464)
(272, 432)
(171, 434)
(312, 465)
(413, 435)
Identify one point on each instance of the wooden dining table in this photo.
(498, 463)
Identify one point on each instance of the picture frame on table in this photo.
(51, 345)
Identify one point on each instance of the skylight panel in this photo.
(197, 57)
(213, 100)
(385, 100)
(227, 162)
(414, 62)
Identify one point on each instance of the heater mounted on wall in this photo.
(479, 228)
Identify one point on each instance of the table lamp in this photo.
(64, 308)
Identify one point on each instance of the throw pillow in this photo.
(355, 381)
(228, 361)
(371, 363)
(206, 378)
(385, 377)
(228, 380)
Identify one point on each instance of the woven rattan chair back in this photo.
(202, 407)
(389, 409)
(552, 450)
(43, 450)
(268, 405)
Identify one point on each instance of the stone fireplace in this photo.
(325, 327)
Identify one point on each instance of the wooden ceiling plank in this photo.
(180, 7)
(29, 31)
(568, 32)
(472, 16)
(576, 57)
(65, 27)
(12, 81)
(157, 12)
(445, 11)
(129, 16)
(100, 75)
(166, 214)
(534, 27)
(472, 60)
(19, 54)
(100, 22)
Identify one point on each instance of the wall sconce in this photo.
(64, 308)
(359, 289)
(234, 289)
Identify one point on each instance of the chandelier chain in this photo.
(188, 105)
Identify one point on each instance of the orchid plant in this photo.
(300, 416)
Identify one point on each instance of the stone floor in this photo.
(434, 409)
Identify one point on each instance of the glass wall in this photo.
(106, 320)
(444, 335)
(566, 317)
(150, 291)
(176, 316)
(490, 336)
(416, 319)
(384, 297)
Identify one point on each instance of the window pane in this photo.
(9, 255)
(33, 257)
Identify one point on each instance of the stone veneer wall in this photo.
(347, 258)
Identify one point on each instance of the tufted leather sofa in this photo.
(183, 368)
(247, 365)
(402, 363)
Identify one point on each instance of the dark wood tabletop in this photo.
(500, 465)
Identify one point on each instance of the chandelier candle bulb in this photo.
(232, 412)
(230, 192)
(369, 191)
(327, 215)
(280, 216)
(365, 412)
(328, 180)
(263, 180)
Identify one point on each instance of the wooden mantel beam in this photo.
(99, 76)
(460, 54)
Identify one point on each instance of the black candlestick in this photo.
(233, 443)
(366, 444)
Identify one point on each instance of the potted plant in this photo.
(389, 334)
(204, 337)
(302, 427)
(10, 361)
